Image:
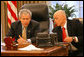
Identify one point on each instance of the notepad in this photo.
(2, 44)
(30, 47)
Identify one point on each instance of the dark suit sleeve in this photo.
(11, 31)
(35, 31)
(79, 34)
(59, 33)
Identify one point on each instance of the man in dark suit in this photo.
(25, 29)
(69, 31)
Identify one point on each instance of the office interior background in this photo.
(4, 22)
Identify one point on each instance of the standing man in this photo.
(69, 31)
(25, 29)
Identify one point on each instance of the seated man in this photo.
(69, 31)
(25, 29)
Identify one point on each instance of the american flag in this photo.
(11, 12)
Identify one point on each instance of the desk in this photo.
(48, 51)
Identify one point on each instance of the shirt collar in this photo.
(65, 25)
(23, 27)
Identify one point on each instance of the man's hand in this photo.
(68, 39)
(21, 40)
(22, 43)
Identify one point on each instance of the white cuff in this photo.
(29, 40)
(76, 39)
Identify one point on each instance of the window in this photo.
(78, 6)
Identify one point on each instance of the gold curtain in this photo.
(4, 21)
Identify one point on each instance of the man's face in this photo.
(59, 20)
(25, 19)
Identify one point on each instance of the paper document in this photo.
(2, 44)
(30, 47)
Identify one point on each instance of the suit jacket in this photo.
(16, 30)
(74, 28)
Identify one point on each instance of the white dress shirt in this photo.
(29, 40)
(72, 46)
(65, 26)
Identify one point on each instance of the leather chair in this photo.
(40, 14)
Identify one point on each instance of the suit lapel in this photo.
(29, 28)
(69, 28)
(58, 30)
(19, 29)
(60, 34)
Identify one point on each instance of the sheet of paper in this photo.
(30, 47)
(2, 44)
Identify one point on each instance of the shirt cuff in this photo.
(76, 39)
(29, 40)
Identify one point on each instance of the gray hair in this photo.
(25, 11)
(59, 12)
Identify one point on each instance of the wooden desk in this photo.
(48, 51)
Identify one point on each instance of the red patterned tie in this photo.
(63, 34)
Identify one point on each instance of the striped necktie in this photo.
(63, 33)
(24, 33)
